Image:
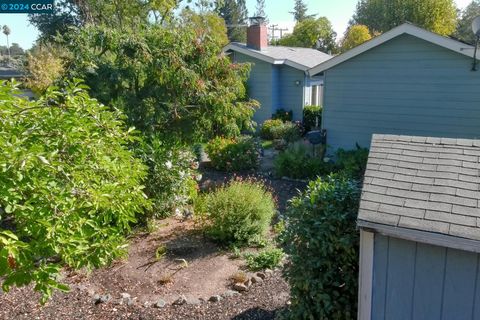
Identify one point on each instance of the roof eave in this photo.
(406, 28)
(432, 238)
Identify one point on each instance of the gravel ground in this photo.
(260, 302)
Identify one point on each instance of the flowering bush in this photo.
(233, 154)
(172, 175)
(266, 132)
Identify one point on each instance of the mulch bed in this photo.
(261, 301)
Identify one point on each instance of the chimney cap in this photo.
(257, 20)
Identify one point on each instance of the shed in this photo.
(419, 221)
(406, 81)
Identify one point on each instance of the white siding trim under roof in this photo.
(406, 28)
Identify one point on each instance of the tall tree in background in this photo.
(439, 16)
(260, 9)
(7, 31)
(122, 14)
(300, 11)
(312, 33)
(235, 14)
(354, 36)
(464, 29)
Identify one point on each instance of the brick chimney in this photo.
(257, 34)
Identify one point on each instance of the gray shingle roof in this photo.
(304, 56)
(422, 183)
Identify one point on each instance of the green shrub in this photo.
(321, 240)
(238, 213)
(171, 182)
(310, 115)
(276, 129)
(352, 162)
(265, 259)
(296, 162)
(283, 115)
(268, 126)
(69, 186)
(233, 154)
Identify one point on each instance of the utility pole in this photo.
(273, 28)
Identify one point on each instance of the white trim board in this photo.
(406, 28)
(258, 55)
(365, 275)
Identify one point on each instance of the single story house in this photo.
(419, 221)
(406, 81)
(278, 78)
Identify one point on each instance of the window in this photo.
(317, 93)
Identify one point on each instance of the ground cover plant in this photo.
(268, 258)
(69, 187)
(297, 162)
(321, 240)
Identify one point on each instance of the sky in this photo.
(338, 12)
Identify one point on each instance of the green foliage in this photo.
(464, 27)
(439, 16)
(312, 33)
(171, 81)
(233, 154)
(69, 187)
(321, 240)
(352, 162)
(298, 163)
(237, 214)
(235, 14)
(44, 66)
(277, 129)
(283, 115)
(171, 183)
(355, 36)
(310, 116)
(300, 11)
(266, 259)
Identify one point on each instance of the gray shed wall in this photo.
(405, 86)
(419, 281)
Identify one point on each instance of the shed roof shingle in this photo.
(422, 183)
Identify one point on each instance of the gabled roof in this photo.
(406, 28)
(298, 58)
(425, 189)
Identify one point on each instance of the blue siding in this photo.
(274, 87)
(261, 85)
(419, 281)
(404, 86)
(291, 95)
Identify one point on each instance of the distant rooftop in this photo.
(306, 57)
(421, 183)
(7, 73)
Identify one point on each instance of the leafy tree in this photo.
(206, 24)
(312, 33)
(235, 14)
(464, 29)
(122, 14)
(69, 187)
(300, 11)
(171, 80)
(382, 15)
(260, 9)
(16, 50)
(354, 36)
(45, 64)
